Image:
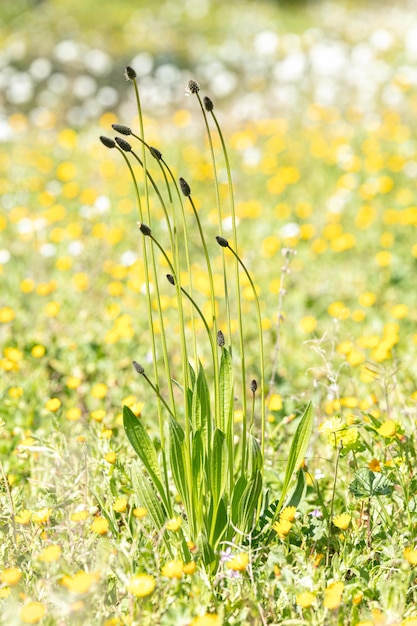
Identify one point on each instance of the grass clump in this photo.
(207, 471)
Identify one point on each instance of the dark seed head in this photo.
(253, 386)
(193, 86)
(222, 241)
(208, 104)
(130, 73)
(106, 141)
(185, 187)
(138, 367)
(124, 145)
(144, 229)
(220, 339)
(171, 279)
(122, 129)
(155, 153)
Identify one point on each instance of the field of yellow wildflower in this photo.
(317, 105)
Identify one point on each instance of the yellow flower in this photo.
(80, 582)
(6, 315)
(388, 428)
(174, 524)
(209, 619)
(73, 382)
(23, 517)
(100, 525)
(173, 569)
(11, 576)
(333, 595)
(99, 391)
(275, 402)
(42, 516)
(288, 514)
(141, 585)
(140, 512)
(53, 404)
(308, 324)
(73, 414)
(50, 554)
(79, 516)
(38, 351)
(52, 309)
(374, 465)
(305, 599)
(239, 562)
(342, 521)
(110, 457)
(98, 415)
(32, 613)
(282, 528)
(189, 568)
(120, 505)
(410, 556)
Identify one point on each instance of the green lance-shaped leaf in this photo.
(254, 456)
(250, 503)
(237, 495)
(177, 458)
(198, 478)
(219, 459)
(298, 449)
(299, 490)
(145, 449)
(200, 410)
(226, 390)
(219, 524)
(147, 497)
(368, 484)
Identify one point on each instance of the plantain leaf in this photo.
(177, 458)
(226, 391)
(219, 524)
(147, 497)
(298, 449)
(145, 449)
(299, 490)
(255, 461)
(236, 509)
(198, 478)
(249, 503)
(218, 466)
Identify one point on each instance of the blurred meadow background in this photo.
(317, 101)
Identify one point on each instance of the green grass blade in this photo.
(298, 449)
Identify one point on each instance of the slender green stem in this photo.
(10, 499)
(220, 219)
(187, 257)
(218, 420)
(339, 449)
(238, 292)
(225, 244)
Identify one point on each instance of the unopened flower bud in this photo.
(185, 187)
(138, 367)
(208, 104)
(171, 279)
(222, 241)
(253, 386)
(124, 145)
(122, 129)
(220, 339)
(106, 141)
(130, 73)
(144, 229)
(155, 153)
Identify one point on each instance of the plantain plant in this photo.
(207, 468)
